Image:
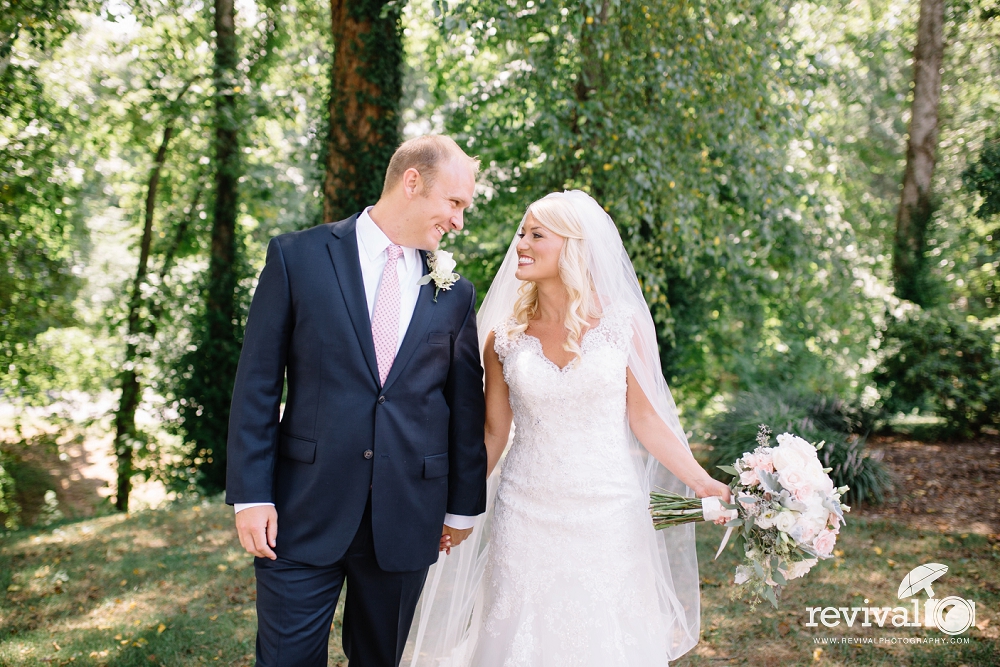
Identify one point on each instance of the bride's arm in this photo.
(661, 442)
(498, 412)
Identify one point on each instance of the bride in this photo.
(565, 567)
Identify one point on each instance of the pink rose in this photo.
(803, 491)
(749, 478)
(823, 544)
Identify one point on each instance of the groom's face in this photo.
(440, 208)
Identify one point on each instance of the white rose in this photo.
(789, 441)
(784, 457)
(804, 529)
(798, 568)
(793, 443)
(444, 262)
(766, 518)
(812, 521)
(785, 521)
(820, 481)
(792, 478)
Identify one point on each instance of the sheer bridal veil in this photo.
(444, 630)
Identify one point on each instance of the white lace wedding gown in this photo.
(569, 578)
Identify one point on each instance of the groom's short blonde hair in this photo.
(425, 154)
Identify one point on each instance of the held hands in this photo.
(258, 530)
(452, 537)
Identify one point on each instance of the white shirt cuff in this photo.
(239, 507)
(459, 522)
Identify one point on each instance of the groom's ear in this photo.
(413, 183)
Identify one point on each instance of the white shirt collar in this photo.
(374, 242)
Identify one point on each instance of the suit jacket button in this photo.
(381, 399)
(369, 453)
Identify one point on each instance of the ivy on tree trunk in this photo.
(916, 205)
(211, 367)
(366, 88)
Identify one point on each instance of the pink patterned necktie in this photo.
(385, 319)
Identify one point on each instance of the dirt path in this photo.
(952, 487)
(76, 462)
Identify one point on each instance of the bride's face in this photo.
(538, 252)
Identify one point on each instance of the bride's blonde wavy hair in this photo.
(559, 215)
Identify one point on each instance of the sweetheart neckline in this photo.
(569, 365)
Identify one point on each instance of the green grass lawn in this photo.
(173, 587)
(873, 557)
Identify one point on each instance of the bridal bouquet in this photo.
(787, 513)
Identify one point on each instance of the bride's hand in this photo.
(712, 487)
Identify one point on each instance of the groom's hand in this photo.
(258, 529)
(452, 537)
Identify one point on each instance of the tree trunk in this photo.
(126, 437)
(916, 204)
(366, 87)
(219, 350)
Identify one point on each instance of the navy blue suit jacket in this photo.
(415, 443)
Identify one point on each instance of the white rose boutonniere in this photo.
(442, 271)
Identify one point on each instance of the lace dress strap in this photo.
(616, 325)
(503, 344)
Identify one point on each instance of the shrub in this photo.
(813, 417)
(934, 362)
(9, 509)
(27, 490)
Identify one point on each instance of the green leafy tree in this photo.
(677, 117)
(983, 178)
(40, 187)
(257, 91)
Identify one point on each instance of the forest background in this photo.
(752, 153)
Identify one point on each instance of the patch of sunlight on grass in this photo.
(160, 587)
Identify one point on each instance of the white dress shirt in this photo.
(372, 246)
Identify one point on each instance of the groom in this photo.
(378, 458)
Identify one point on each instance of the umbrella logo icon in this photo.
(920, 578)
(952, 615)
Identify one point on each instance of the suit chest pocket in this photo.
(439, 338)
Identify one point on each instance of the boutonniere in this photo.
(442, 271)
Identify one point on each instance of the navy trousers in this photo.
(296, 603)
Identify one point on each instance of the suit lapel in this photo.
(343, 249)
(415, 332)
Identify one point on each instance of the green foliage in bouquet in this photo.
(816, 418)
(935, 362)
